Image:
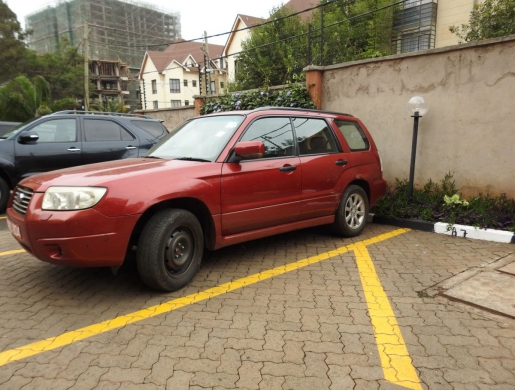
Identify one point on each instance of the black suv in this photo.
(70, 138)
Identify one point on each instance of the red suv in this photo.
(216, 180)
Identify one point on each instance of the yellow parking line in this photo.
(3, 217)
(11, 252)
(395, 359)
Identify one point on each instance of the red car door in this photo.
(324, 167)
(267, 191)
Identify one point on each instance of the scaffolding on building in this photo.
(118, 30)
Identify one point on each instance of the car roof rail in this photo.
(101, 113)
(299, 109)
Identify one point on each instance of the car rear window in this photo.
(354, 135)
(155, 129)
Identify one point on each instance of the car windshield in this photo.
(201, 139)
(17, 129)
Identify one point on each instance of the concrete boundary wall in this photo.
(469, 129)
(171, 117)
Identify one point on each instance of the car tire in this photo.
(351, 216)
(170, 249)
(5, 193)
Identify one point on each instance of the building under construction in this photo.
(118, 35)
(118, 30)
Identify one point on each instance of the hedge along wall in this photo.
(469, 129)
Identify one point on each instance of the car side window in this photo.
(105, 130)
(155, 129)
(354, 135)
(314, 136)
(56, 130)
(275, 133)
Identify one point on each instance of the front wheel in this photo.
(351, 216)
(5, 192)
(170, 249)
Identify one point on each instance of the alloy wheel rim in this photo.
(355, 211)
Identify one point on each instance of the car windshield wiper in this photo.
(193, 159)
(151, 157)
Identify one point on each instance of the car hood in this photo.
(132, 170)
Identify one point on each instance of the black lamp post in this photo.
(417, 106)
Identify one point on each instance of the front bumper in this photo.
(82, 238)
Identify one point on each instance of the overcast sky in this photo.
(213, 16)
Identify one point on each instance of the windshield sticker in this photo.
(220, 133)
(231, 125)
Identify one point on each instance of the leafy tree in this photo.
(489, 19)
(12, 46)
(63, 69)
(23, 99)
(274, 54)
(352, 30)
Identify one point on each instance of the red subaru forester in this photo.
(214, 181)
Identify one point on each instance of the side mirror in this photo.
(248, 150)
(28, 137)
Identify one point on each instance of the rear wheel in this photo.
(351, 216)
(170, 249)
(5, 193)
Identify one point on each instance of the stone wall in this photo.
(172, 117)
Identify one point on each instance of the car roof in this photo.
(102, 113)
(292, 110)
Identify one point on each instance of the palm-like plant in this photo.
(21, 98)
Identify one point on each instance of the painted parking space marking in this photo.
(11, 252)
(2, 217)
(395, 360)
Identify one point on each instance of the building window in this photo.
(213, 88)
(185, 83)
(194, 83)
(414, 42)
(155, 104)
(222, 85)
(186, 102)
(175, 86)
(175, 103)
(414, 26)
(154, 86)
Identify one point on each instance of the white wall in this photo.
(451, 13)
(235, 47)
(163, 95)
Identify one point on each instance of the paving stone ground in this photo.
(307, 329)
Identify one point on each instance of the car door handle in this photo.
(73, 150)
(288, 168)
(341, 162)
(130, 147)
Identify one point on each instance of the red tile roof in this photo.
(301, 5)
(180, 51)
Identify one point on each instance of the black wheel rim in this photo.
(179, 251)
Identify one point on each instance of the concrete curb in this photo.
(450, 230)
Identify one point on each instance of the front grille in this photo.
(22, 197)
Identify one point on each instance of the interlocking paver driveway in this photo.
(309, 328)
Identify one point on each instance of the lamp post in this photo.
(417, 107)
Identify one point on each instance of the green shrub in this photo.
(295, 96)
(441, 202)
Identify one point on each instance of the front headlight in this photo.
(72, 198)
